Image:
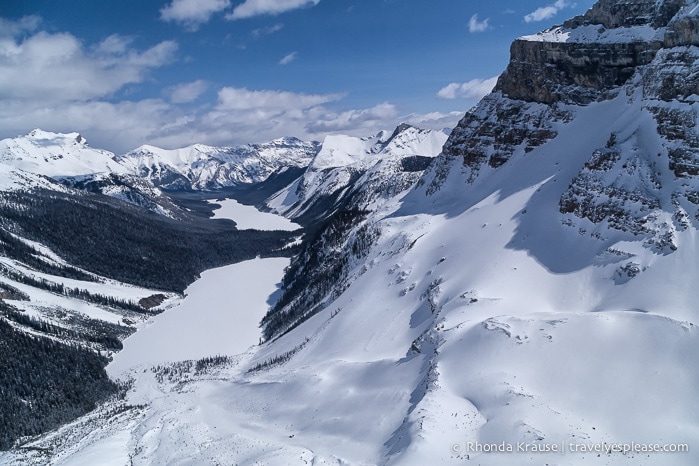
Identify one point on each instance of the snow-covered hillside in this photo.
(12, 179)
(342, 160)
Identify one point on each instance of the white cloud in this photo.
(478, 26)
(113, 45)
(288, 58)
(53, 67)
(188, 92)
(244, 116)
(55, 81)
(233, 98)
(192, 13)
(250, 8)
(547, 12)
(352, 120)
(473, 89)
(434, 120)
(117, 127)
(241, 116)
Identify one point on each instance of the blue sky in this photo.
(226, 72)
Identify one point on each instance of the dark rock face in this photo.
(678, 127)
(578, 73)
(684, 31)
(548, 70)
(490, 134)
(584, 72)
(617, 186)
(672, 76)
(627, 13)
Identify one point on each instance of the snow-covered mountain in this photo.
(527, 298)
(47, 160)
(56, 155)
(41, 157)
(202, 167)
(394, 159)
(534, 290)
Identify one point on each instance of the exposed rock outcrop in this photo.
(582, 61)
(571, 72)
(628, 13)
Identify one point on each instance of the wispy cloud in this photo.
(547, 12)
(473, 89)
(192, 13)
(187, 92)
(288, 58)
(250, 8)
(354, 119)
(58, 82)
(478, 26)
(12, 28)
(235, 98)
(243, 115)
(433, 120)
(266, 31)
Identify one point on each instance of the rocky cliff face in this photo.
(639, 58)
(628, 13)
(589, 57)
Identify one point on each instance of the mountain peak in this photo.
(56, 155)
(634, 57)
(286, 140)
(402, 127)
(406, 140)
(44, 138)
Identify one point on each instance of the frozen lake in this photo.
(221, 311)
(247, 217)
